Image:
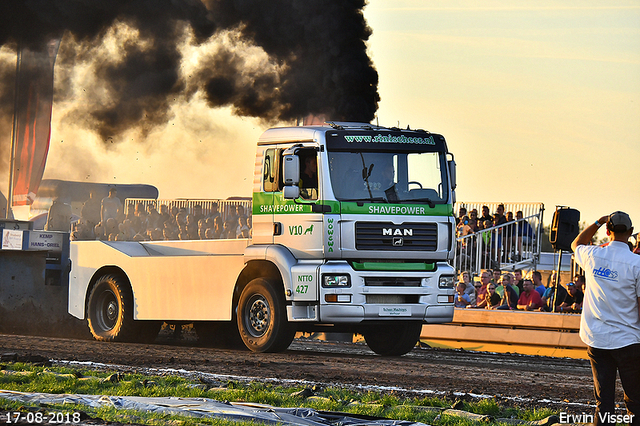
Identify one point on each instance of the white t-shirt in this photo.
(610, 318)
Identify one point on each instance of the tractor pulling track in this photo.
(527, 381)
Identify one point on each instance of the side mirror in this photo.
(452, 173)
(291, 170)
(291, 176)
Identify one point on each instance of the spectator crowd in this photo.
(469, 222)
(107, 220)
(503, 236)
(513, 291)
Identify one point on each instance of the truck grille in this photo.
(392, 282)
(405, 237)
(391, 299)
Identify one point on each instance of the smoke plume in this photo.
(130, 61)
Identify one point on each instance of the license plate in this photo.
(394, 311)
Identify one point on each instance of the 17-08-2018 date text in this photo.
(39, 417)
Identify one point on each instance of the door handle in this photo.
(277, 228)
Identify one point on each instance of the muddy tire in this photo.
(393, 339)
(110, 310)
(262, 318)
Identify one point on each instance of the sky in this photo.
(539, 102)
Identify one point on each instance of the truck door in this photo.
(300, 226)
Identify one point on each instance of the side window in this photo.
(308, 174)
(270, 171)
(267, 171)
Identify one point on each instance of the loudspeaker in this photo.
(564, 228)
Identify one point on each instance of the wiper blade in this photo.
(429, 201)
(373, 199)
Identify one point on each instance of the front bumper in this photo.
(386, 295)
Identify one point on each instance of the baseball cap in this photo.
(619, 222)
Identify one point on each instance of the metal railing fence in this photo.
(513, 245)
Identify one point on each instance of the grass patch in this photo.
(74, 380)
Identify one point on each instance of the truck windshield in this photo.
(407, 177)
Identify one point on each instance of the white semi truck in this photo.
(353, 231)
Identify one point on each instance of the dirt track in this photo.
(539, 381)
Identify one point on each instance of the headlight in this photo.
(446, 281)
(336, 280)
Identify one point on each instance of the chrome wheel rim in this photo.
(258, 315)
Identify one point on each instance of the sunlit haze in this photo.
(539, 102)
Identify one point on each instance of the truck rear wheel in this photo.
(262, 318)
(394, 338)
(110, 310)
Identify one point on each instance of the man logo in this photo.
(398, 241)
(397, 232)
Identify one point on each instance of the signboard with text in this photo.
(11, 239)
(43, 240)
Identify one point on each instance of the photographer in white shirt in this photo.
(610, 322)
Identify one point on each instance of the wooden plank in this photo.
(504, 348)
(457, 333)
(517, 319)
(531, 333)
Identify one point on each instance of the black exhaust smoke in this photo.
(316, 56)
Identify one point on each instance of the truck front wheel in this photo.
(262, 318)
(110, 310)
(394, 338)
